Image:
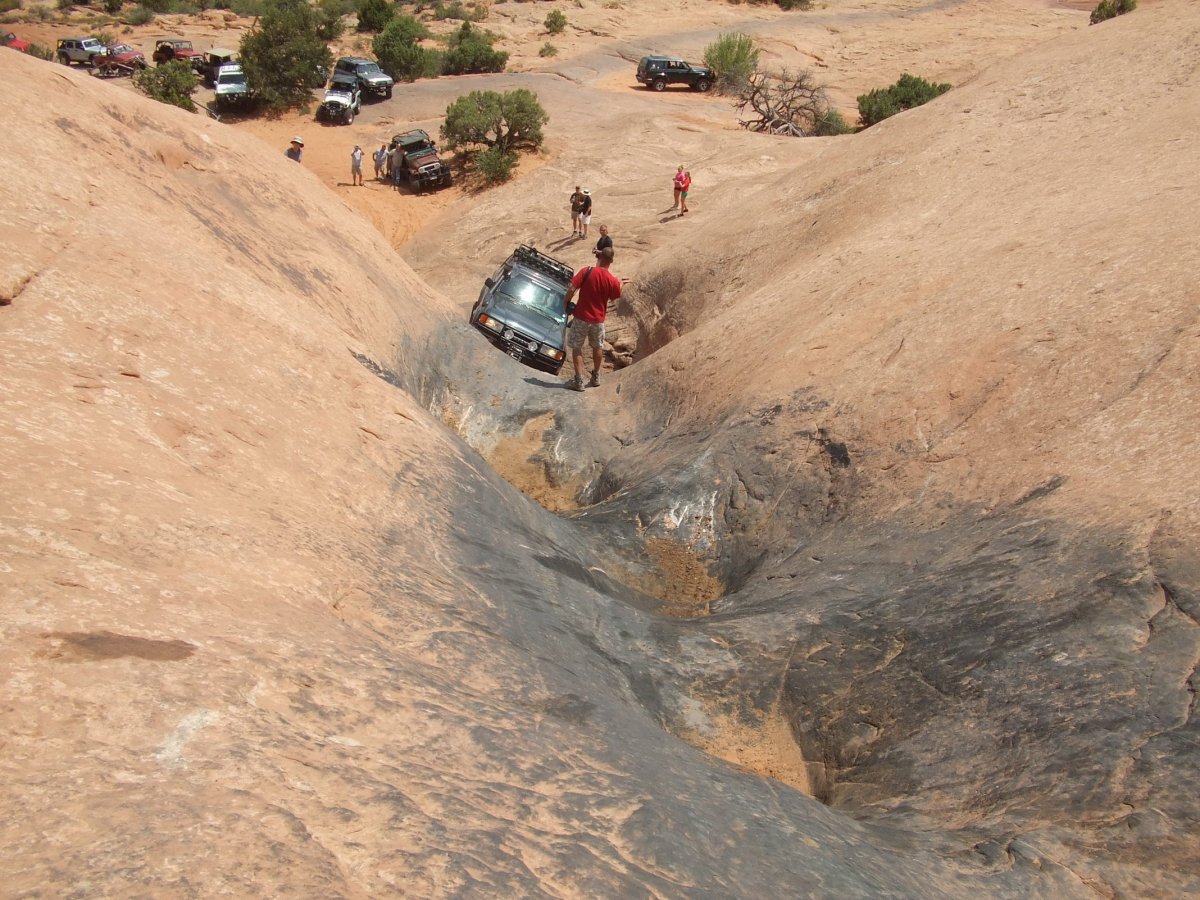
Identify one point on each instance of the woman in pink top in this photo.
(684, 186)
(678, 187)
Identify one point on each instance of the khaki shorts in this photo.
(592, 332)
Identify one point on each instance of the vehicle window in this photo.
(528, 293)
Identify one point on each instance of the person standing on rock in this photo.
(356, 158)
(684, 187)
(576, 208)
(296, 150)
(379, 157)
(605, 241)
(678, 184)
(585, 214)
(396, 155)
(596, 286)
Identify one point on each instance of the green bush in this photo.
(556, 21)
(374, 15)
(496, 165)
(65, 4)
(285, 57)
(470, 52)
(248, 9)
(907, 93)
(9, 5)
(830, 122)
(398, 52)
(140, 15)
(548, 49)
(1110, 9)
(113, 7)
(329, 18)
(733, 57)
(490, 119)
(172, 83)
(40, 51)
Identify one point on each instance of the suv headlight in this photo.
(488, 322)
(552, 352)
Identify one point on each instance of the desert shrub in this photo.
(140, 15)
(788, 103)
(829, 122)
(733, 57)
(285, 57)
(329, 18)
(9, 5)
(470, 52)
(452, 10)
(41, 51)
(1110, 9)
(548, 49)
(65, 4)
(248, 9)
(172, 83)
(489, 119)
(105, 37)
(907, 93)
(556, 21)
(113, 7)
(496, 165)
(374, 15)
(40, 13)
(398, 52)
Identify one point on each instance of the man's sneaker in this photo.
(595, 381)
(577, 384)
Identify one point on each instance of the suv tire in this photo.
(349, 120)
(64, 59)
(659, 85)
(387, 95)
(703, 85)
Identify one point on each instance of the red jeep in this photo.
(165, 51)
(8, 39)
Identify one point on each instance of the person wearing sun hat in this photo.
(296, 150)
(585, 214)
(576, 201)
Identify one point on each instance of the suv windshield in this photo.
(230, 78)
(520, 289)
(369, 68)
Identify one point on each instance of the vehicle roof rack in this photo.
(535, 259)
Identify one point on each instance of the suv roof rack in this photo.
(535, 259)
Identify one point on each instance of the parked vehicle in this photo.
(212, 62)
(82, 50)
(168, 50)
(520, 309)
(343, 99)
(119, 59)
(422, 167)
(8, 39)
(656, 72)
(371, 78)
(231, 87)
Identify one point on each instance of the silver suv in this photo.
(78, 50)
(521, 309)
(371, 78)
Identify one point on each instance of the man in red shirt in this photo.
(595, 286)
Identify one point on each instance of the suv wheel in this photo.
(658, 84)
(703, 85)
(387, 95)
(349, 117)
(64, 59)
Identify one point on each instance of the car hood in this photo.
(526, 320)
(379, 78)
(338, 98)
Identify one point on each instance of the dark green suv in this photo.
(657, 72)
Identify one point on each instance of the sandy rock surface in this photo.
(872, 569)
